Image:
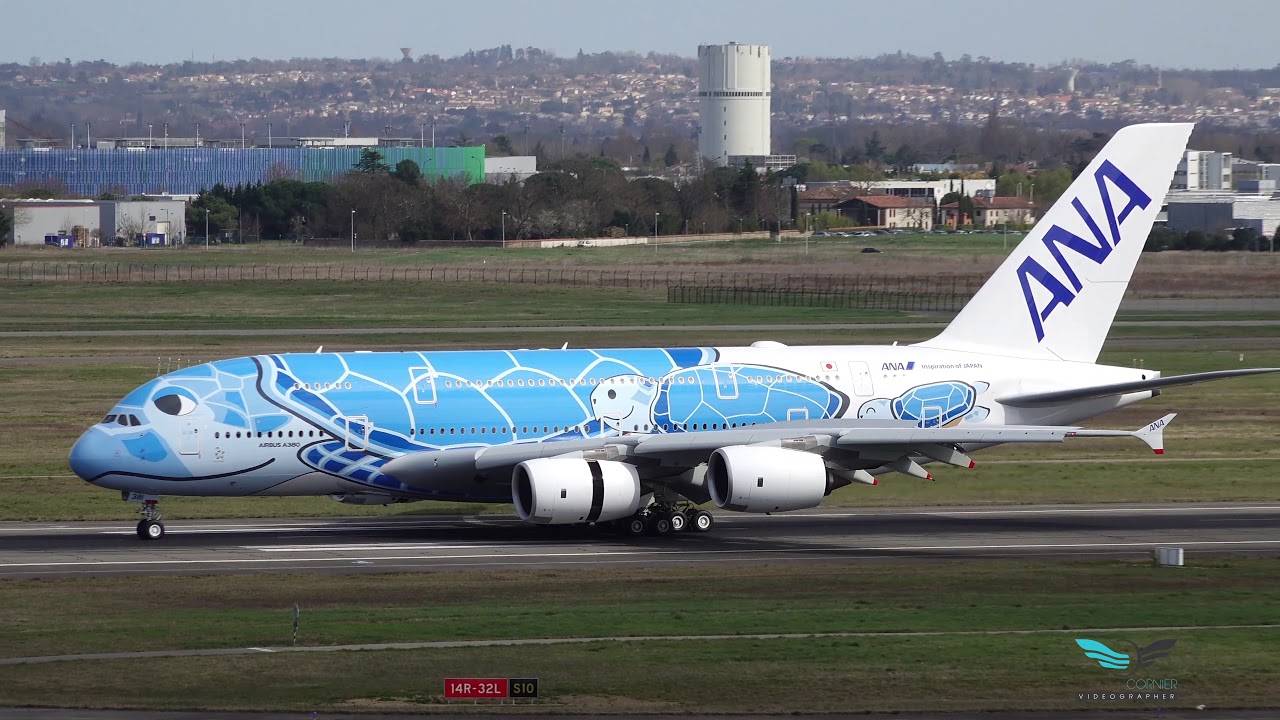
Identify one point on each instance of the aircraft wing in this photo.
(892, 444)
(1057, 397)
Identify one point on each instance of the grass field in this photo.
(1220, 448)
(956, 670)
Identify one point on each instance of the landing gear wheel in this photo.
(703, 521)
(635, 527)
(660, 524)
(679, 522)
(150, 529)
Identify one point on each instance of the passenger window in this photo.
(237, 434)
(482, 431)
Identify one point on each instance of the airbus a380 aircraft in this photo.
(632, 435)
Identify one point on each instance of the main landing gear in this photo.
(662, 519)
(150, 527)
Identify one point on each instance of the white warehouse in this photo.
(734, 89)
(90, 223)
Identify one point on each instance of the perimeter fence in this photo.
(900, 292)
(867, 298)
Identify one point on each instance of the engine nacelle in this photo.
(765, 479)
(557, 491)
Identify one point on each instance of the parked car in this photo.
(868, 250)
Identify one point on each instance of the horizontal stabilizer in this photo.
(1059, 397)
(1152, 434)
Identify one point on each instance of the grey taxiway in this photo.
(496, 542)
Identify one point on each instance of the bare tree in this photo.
(130, 227)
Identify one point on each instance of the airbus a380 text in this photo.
(639, 436)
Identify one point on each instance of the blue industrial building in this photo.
(189, 170)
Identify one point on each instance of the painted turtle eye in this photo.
(175, 404)
(613, 395)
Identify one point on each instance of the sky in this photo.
(1165, 33)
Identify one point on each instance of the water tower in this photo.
(734, 85)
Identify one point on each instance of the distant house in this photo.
(824, 199)
(990, 212)
(888, 211)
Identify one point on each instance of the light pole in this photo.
(206, 228)
(353, 230)
(504, 229)
(655, 231)
(148, 136)
(807, 234)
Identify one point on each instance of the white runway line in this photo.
(595, 553)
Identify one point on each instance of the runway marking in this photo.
(513, 642)
(336, 526)
(371, 547)
(1026, 511)
(227, 529)
(615, 553)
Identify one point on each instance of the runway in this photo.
(435, 543)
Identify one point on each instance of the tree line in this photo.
(578, 197)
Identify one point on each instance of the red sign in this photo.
(473, 688)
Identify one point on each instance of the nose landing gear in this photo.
(150, 527)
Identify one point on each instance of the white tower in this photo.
(733, 101)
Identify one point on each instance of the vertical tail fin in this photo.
(1057, 293)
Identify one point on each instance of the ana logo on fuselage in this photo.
(1032, 270)
(898, 366)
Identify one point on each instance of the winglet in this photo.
(1153, 434)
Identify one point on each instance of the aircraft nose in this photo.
(91, 454)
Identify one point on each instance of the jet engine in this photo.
(765, 479)
(558, 491)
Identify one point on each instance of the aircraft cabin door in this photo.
(424, 385)
(189, 438)
(358, 432)
(726, 382)
(862, 382)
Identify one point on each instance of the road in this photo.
(408, 543)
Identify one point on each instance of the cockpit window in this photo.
(122, 420)
(174, 403)
(134, 421)
(108, 419)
